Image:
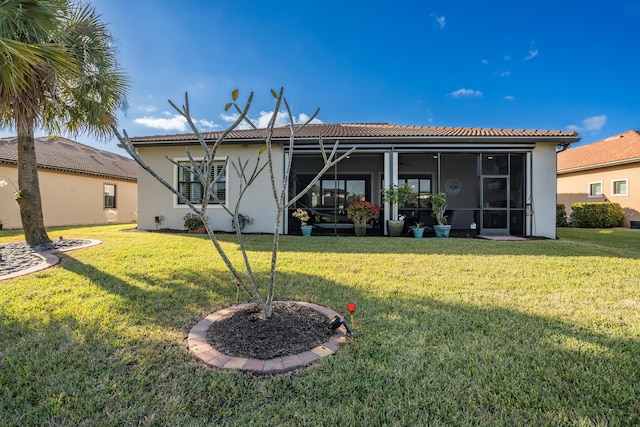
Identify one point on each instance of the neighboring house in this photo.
(604, 171)
(500, 180)
(78, 184)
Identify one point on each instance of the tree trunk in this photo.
(31, 204)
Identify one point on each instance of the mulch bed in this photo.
(292, 329)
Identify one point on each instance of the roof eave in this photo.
(558, 140)
(599, 165)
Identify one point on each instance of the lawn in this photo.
(447, 332)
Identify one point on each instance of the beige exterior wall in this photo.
(574, 188)
(156, 200)
(543, 189)
(70, 199)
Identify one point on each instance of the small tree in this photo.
(247, 172)
(439, 206)
(395, 195)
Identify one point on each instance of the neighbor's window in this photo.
(619, 187)
(595, 189)
(190, 187)
(109, 196)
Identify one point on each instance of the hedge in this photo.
(597, 215)
(561, 216)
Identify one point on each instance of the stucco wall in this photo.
(543, 177)
(70, 199)
(574, 188)
(156, 200)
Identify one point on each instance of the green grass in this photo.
(448, 332)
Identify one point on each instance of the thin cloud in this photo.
(590, 124)
(175, 123)
(147, 108)
(509, 98)
(505, 74)
(484, 62)
(533, 52)
(465, 93)
(440, 21)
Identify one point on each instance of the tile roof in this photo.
(65, 155)
(621, 148)
(370, 130)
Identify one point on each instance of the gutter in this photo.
(600, 165)
(563, 141)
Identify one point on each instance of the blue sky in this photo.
(506, 64)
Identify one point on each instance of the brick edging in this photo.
(199, 345)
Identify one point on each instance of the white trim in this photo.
(626, 187)
(594, 196)
(174, 178)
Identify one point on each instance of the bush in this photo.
(597, 215)
(561, 216)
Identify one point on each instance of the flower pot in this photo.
(395, 228)
(360, 230)
(199, 230)
(417, 232)
(442, 230)
(306, 230)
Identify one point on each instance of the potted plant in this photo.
(439, 206)
(360, 212)
(418, 230)
(303, 217)
(395, 195)
(193, 223)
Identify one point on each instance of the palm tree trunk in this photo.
(31, 204)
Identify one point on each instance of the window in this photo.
(190, 187)
(619, 187)
(109, 196)
(420, 190)
(595, 189)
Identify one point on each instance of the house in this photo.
(500, 181)
(603, 171)
(78, 184)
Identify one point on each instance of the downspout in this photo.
(285, 217)
(335, 199)
(529, 202)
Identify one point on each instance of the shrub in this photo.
(192, 221)
(597, 215)
(561, 216)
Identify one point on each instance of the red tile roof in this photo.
(621, 148)
(372, 130)
(61, 154)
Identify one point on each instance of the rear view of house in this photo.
(604, 171)
(497, 181)
(79, 184)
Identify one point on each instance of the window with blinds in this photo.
(619, 187)
(190, 187)
(595, 189)
(109, 196)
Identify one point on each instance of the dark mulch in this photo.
(292, 329)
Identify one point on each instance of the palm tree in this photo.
(59, 72)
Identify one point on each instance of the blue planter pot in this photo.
(306, 230)
(442, 230)
(418, 232)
